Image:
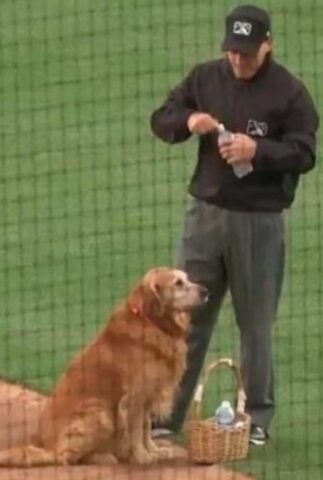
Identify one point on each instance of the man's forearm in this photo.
(274, 156)
(170, 124)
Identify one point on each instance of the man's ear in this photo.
(267, 46)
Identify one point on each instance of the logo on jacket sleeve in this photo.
(242, 28)
(257, 129)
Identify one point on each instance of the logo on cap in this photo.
(242, 28)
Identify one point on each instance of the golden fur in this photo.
(101, 408)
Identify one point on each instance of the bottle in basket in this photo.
(225, 136)
(224, 414)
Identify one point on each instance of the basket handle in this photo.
(198, 397)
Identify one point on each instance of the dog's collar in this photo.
(162, 326)
(135, 311)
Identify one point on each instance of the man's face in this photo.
(246, 66)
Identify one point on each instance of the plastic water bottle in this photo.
(225, 137)
(224, 414)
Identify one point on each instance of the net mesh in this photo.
(90, 200)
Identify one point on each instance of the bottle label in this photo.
(242, 170)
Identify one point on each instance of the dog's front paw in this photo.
(163, 453)
(160, 453)
(142, 457)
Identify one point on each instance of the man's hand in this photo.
(241, 149)
(202, 123)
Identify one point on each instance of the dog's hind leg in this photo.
(24, 456)
(90, 432)
(84, 439)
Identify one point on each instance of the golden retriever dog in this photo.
(101, 408)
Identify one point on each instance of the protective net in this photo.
(90, 199)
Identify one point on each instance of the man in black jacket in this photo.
(233, 230)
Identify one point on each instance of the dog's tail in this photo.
(26, 456)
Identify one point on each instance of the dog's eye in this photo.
(179, 282)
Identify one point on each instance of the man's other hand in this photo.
(202, 123)
(241, 149)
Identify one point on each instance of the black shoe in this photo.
(258, 436)
(161, 433)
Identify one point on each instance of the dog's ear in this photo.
(146, 297)
(153, 304)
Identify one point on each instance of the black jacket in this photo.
(273, 107)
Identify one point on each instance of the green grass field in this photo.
(90, 200)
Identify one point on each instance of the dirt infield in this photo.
(19, 411)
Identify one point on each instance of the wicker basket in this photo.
(209, 442)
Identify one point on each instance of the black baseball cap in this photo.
(246, 28)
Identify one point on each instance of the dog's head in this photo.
(167, 294)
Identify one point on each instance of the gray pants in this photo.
(245, 252)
